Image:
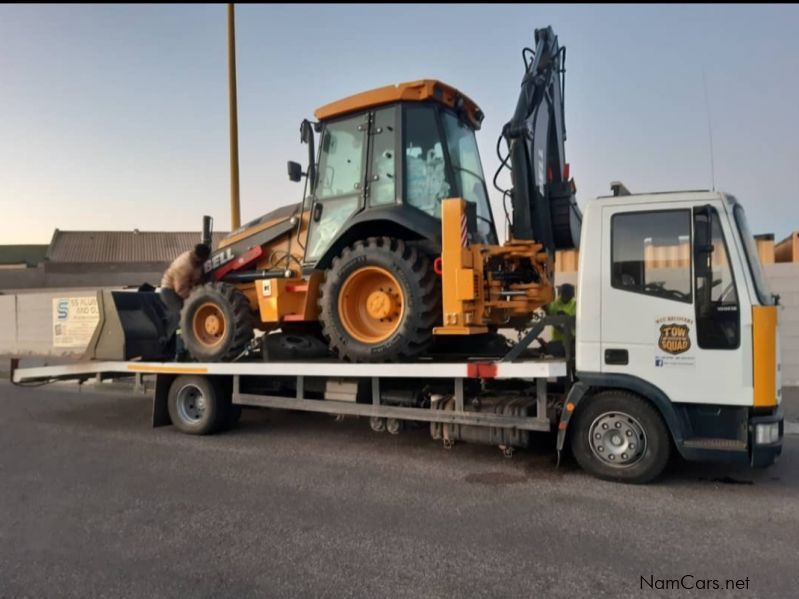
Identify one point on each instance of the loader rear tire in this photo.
(380, 301)
(216, 322)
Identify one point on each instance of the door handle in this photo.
(317, 212)
(617, 357)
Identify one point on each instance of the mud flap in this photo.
(133, 324)
(160, 408)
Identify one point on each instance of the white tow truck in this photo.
(676, 344)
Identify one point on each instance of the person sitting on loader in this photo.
(183, 275)
(564, 304)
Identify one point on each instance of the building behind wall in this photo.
(786, 250)
(92, 259)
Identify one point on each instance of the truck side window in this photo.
(717, 310)
(651, 253)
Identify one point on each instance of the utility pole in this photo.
(235, 211)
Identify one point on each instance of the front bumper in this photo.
(764, 448)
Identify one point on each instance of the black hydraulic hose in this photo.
(503, 163)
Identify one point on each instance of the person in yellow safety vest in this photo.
(564, 304)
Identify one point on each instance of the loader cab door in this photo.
(339, 189)
(672, 302)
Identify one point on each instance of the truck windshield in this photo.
(752, 258)
(463, 153)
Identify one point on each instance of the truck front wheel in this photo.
(621, 437)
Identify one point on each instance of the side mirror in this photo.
(295, 171)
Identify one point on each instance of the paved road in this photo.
(95, 503)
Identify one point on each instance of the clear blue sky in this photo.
(115, 117)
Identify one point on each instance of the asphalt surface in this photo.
(95, 503)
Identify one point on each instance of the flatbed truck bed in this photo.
(497, 402)
(305, 385)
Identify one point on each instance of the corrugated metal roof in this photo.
(122, 246)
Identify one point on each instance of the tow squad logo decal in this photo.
(674, 338)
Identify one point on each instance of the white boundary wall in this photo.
(26, 319)
(26, 323)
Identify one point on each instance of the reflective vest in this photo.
(557, 307)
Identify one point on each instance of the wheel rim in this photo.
(191, 404)
(617, 439)
(371, 304)
(209, 324)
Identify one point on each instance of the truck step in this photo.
(717, 444)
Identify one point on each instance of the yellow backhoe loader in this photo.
(394, 243)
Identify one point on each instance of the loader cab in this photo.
(386, 160)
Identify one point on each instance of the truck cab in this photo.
(673, 307)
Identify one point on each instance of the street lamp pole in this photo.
(235, 212)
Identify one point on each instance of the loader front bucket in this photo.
(132, 325)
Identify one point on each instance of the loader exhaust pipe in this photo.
(208, 229)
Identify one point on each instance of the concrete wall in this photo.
(26, 320)
(783, 279)
(26, 323)
(51, 276)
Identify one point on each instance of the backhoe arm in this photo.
(544, 207)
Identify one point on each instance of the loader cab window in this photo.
(717, 308)
(427, 180)
(339, 188)
(340, 159)
(383, 160)
(468, 172)
(651, 253)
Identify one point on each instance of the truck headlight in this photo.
(765, 434)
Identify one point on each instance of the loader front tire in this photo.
(216, 322)
(380, 301)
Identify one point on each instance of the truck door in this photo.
(339, 191)
(671, 306)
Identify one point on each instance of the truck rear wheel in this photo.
(619, 436)
(379, 302)
(216, 322)
(197, 406)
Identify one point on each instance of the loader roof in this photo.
(411, 91)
